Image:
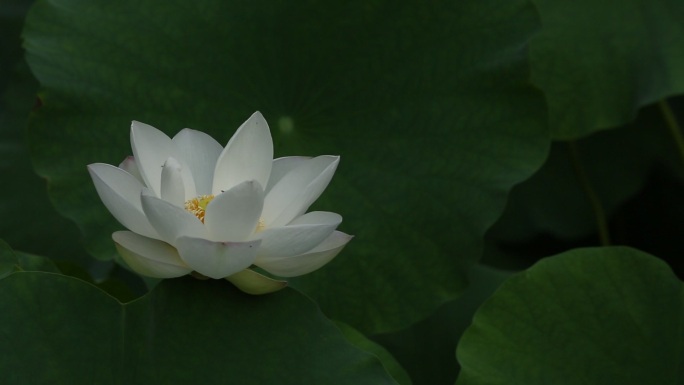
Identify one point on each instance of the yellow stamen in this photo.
(260, 226)
(198, 206)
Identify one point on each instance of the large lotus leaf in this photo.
(28, 218)
(429, 106)
(29, 221)
(63, 330)
(587, 316)
(599, 62)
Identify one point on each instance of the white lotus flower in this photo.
(193, 206)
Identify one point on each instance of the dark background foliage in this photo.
(484, 145)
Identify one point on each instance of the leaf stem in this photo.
(597, 207)
(673, 126)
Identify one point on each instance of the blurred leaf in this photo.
(654, 220)
(598, 63)
(587, 316)
(551, 211)
(429, 105)
(388, 362)
(554, 201)
(184, 331)
(426, 349)
(12, 261)
(118, 289)
(115, 285)
(12, 13)
(31, 262)
(115, 281)
(8, 260)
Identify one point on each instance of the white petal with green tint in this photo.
(308, 262)
(296, 238)
(251, 282)
(216, 259)
(171, 221)
(120, 193)
(234, 214)
(149, 257)
(283, 166)
(151, 148)
(200, 152)
(172, 189)
(247, 156)
(298, 189)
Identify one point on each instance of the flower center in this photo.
(198, 205)
(260, 225)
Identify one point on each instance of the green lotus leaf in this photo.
(598, 63)
(587, 316)
(64, 330)
(429, 105)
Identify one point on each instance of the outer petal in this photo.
(297, 190)
(306, 263)
(296, 238)
(318, 218)
(149, 257)
(120, 193)
(247, 156)
(216, 259)
(151, 148)
(131, 167)
(171, 221)
(282, 166)
(251, 282)
(200, 152)
(234, 214)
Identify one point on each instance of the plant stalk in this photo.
(673, 126)
(597, 207)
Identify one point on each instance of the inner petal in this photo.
(171, 221)
(200, 152)
(247, 156)
(234, 214)
(151, 148)
(172, 189)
